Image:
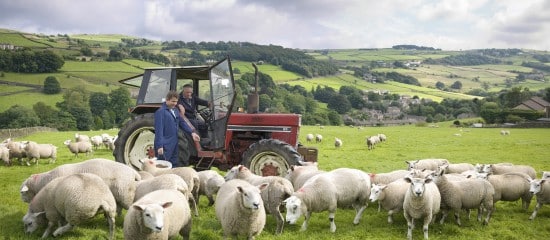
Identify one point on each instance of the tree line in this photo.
(28, 60)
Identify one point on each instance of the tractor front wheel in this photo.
(270, 157)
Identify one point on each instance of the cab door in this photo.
(222, 87)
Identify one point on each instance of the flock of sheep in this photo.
(371, 141)
(27, 152)
(161, 202)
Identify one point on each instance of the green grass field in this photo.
(509, 221)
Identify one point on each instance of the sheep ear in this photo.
(166, 204)
(407, 179)
(38, 214)
(383, 187)
(263, 186)
(24, 188)
(138, 207)
(428, 180)
(240, 189)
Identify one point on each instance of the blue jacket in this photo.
(166, 132)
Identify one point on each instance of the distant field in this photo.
(277, 73)
(18, 40)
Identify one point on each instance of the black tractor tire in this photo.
(270, 157)
(136, 141)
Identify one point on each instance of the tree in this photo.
(47, 114)
(51, 85)
(119, 104)
(457, 85)
(98, 103)
(340, 104)
(18, 117)
(439, 85)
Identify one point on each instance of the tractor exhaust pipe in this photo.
(253, 100)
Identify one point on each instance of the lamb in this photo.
(239, 208)
(390, 196)
(164, 181)
(318, 138)
(37, 151)
(210, 182)
(120, 178)
(309, 137)
(470, 193)
(340, 187)
(510, 187)
(298, 175)
(429, 164)
(338, 142)
(5, 155)
(81, 138)
(278, 190)
(158, 215)
(501, 169)
(71, 200)
(79, 147)
(422, 200)
(540, 188)
(189, 175)
(386, 178)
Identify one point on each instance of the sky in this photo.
(302, 24)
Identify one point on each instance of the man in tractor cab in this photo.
(189, 102)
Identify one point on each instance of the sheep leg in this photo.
(390, 216)
(535, 211)
(426, 225)
(48, 230)
(410, 225)
(111, 221)
(210, 200)
(63, 229)
(488, 217)
(359, 214)
(193, 205)
(331, 220)
(280, 220)
(457, 217)
(443, 216)
(186, 231)
(307, 215)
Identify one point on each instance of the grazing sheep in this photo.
(390, 196)
(160, 214)
(428, 164)
(278, 190)
(371, 142)
(457, 167)
(15, 150)
(239, 208)
(382, 137)
(385, 178)
(318, 138)
(79, 147)
(71, 200)
(81, 138)
(164, 181)
(470, 193)
(37, 151)
(309, 137)
(189, 175)
(96, 141)
(120, 178)
(501, 169)
(422, 200)
(541, 189)
(504, 132)
(5, 155)
(298, 175)
(342, 187)
(210, 182)
(510, 187)
(338, 142)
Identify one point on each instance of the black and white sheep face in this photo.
(293, 209)
(418, 185)
(411, 164)
(536, 185)
(375, 191)
(31, 221)
(153, 215)
(251, 197)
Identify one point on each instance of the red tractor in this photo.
(265, 143)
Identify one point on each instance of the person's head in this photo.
(187, 91)
(171, 99)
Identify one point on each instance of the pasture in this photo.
(473, 145)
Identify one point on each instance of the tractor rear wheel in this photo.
(270, 157)
(135, 140)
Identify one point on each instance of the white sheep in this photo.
(188, 174)
(318, 138)
(145, 175)
(342, 187)
(15, 150)
(501, 169)
(298, 175)
(390, 196)
(239, 208)
(81, 137)
(382, 137)
(96, 141)
(71, 200)
(338, 142)
(545, 175)
(422, 200)
(458, 167)
(385, 178)
(160, 214)
(510, 187)
(541, 189)
(428, 164)
(37, 151)
(371, 142)
(164, 181)
(470, 193)
(278, 190)
(210, 182)
(504, 132)
(79, 147)
(5, 155)
(120, 178)
(309, 137)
